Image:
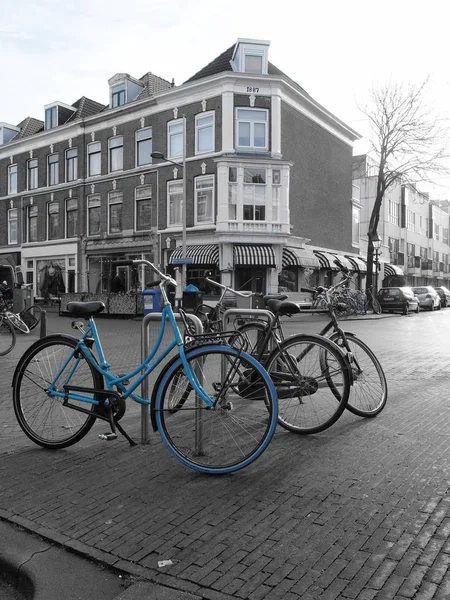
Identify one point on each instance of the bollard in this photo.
(43, 322)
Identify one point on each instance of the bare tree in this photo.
(408, 145)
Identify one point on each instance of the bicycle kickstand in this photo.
(112, 435)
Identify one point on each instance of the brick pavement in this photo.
(359, 511)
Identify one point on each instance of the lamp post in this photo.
(376, 243)
(161, 156)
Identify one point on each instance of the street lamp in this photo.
(376, 243)
(161, 156)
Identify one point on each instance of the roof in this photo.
(29, 126)
(85, 108)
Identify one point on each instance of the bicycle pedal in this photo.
(108, 437)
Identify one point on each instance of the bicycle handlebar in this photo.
(225, 287)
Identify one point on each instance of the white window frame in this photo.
(13, 217)
(175, 193)
(115, 144)
(251, 125)
(175, 131)
(12, 179)
(96, 154)
(256, 199)
(253, 53)
(142, 194)
(72, 162)
(32, 213)
(32, 171)
(203, 122)
(70, 203)
(200, 191)
(52, 209)
(115, 198)
(94, 201)
(52, 171)
(138, 143)
(51, 117)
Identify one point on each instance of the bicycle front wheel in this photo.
(376, 306)
(17, 322)
(31, 316)
(233, 432)
(7, 336)
(43, 417)
(312, 382)
(369, 392)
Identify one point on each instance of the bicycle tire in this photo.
(301, 370)
(376, 306)
(31, 316)
(17, 322)
(253, 333)
(236, 430)
(44, 419)
(7, 336)
(369, 390)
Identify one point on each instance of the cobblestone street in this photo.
(359, 511)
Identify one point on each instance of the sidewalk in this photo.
(359, 511)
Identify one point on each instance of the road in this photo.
(359, 511)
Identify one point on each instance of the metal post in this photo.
(184, 266)
(43, 324)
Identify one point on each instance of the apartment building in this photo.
(265, 171)
(414, 231)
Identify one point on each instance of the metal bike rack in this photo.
(145, 350)
(260, 313)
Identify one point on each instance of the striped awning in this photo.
(207, 254)
(248, 255)
(327, 259)
(299, 257)
(392, 270)
(359, 264)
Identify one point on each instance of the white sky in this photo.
(337, 51)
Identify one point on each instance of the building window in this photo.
(94, 214)
(356, 219)
(71, 217)
(12, 179)
(394, 212)
(175, 139)
(410, 220)
(12, 226)
(254, 195)
(32, 174)
(115, 153)
(204, 198)
(143, 146)
(232, 193)
(143, 198)
(253, 61)
(174, 202)
(204, 133)
(436, 231)
(32, 223)
(276, 195)
(94, 159)
(51, 117)
(52, 221)
(251, 129)
(72, 164)
(115, 200)
(53, 169)
(118, 95)
(445, 235)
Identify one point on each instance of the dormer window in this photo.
(7, 133)
(57, 113)
(123, 89)
(251, 56)
(118, 95)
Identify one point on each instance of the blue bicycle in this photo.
(214, 405)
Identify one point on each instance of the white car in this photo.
(428, 297)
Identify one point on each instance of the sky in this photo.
(337, 51)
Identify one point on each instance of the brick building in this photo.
(266, 172)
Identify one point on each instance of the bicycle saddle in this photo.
(85, 309)
(268, 297)
(282, 308)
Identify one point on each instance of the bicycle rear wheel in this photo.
(236, 429)
(42, 417)
(17, 322)
(369, 391)
(31, 316)
(7, 336)
(376, 306)
(302, 370)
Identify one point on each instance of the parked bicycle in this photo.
(25, 320)
(372, 302)
(309, 372)
(63, 384)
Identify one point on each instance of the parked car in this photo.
(428, 297)
(444, 294)
(398, 298)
